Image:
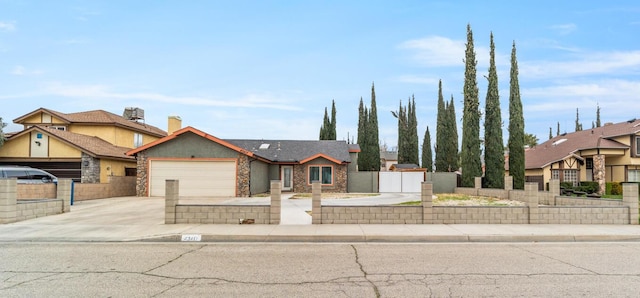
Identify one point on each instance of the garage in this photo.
(197, 178)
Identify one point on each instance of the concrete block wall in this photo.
(480, 215)
(580, 201)
(222, 214)
(176, 213)
(584, 215)
(12, 210)
(33, 209)
(466, 191)
(36, 191)
(117, 187)
(630, 199)
(372, 214)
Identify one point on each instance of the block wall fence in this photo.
(540, 208)
(14, 210)
(176, 213)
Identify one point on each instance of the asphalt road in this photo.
(319, 270)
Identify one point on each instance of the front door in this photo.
(287, 178)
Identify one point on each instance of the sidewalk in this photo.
(141, 219)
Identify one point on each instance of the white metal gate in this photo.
(401, 181)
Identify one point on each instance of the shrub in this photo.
(588, 187)
(614, 188)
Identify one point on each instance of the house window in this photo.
(137, 140)
(324, 174)
(63, 128)
(634, 175)
(555, 174)
(571, 176)
(638, 146)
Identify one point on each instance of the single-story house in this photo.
(208, 166)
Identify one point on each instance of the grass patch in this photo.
(464, 200)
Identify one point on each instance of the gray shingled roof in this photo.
(294, 151)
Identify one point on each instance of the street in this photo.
(319, 270)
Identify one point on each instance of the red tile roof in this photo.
(565, 145)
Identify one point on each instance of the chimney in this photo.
(175, 123)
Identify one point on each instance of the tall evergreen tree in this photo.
(326, 126)
(441, 137)
(452, 155)
(550, 134)
(412, 133)
(362, 133)
(598, 123)
(332, 133)
(427, 153)
(493, 142)
(403, 134)
(558, 129)
(470, 153)
(372, 131)
(516, 126)
(578, 124)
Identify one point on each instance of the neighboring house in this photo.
(610, 153)
(387, 159)
(209, 166)
(86, 146)
(406, 167)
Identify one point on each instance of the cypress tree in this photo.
(550, 136)
(403, 135)
(362, 129)
(332, 132)
(578, 124)
(516, 126)
(412, 133)
(452, 157)
(493, 142)
(558, 129)
(326, 125)
(598, 123)
(372, 131)
(427, 155)
(441, 137)
(470, 153)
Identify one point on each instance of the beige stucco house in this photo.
(610, 153)
(85, 146)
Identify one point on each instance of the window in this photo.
(638, 146)
(59, 127)
(555, 174)
(324, 174)
(137, 140)
(17, 173)
(571, 176)
(634, 175)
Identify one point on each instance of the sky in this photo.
(268, 69)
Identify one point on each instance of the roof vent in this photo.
(133, 114)
(264, 146)
(558, 142)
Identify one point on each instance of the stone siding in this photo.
(244, 175)
(90, 172)
(142, 174)
(301, 185)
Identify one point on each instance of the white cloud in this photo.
(6, 26)
(20, 70)
(564, 29)
(263, 101)
(438, 51)
(414, 79)
(615, 62)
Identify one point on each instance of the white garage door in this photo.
(197, 178)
